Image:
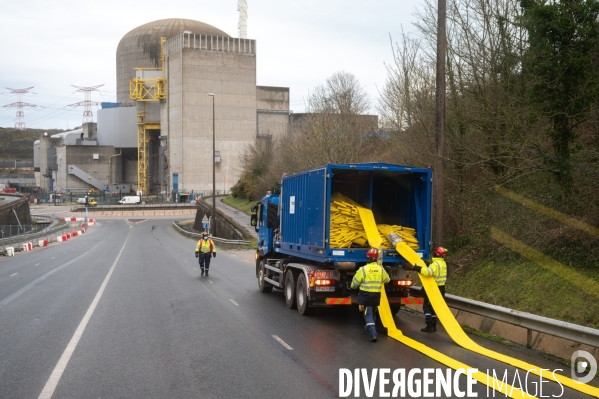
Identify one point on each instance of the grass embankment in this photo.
(531, 249)
(18, 144)
(240, 203)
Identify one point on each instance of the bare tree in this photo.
(335, 128)
(407, 104)
(491, 130)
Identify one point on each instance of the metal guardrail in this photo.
(545, 325)
(119, 207)
(217, 239)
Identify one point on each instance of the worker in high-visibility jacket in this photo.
(370, 279)
(438, 270)
(205, 249)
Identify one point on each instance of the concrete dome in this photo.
(140, 48)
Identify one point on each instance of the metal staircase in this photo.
(86, 177)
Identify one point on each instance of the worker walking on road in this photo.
(370, 279)
(438, 270)
(205, 249)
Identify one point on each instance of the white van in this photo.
(130, 199)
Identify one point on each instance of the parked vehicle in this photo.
(86, 201)
(130, 199)
(295, 231)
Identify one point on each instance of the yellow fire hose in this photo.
(451, 325)
(393, 332)
(459, 336)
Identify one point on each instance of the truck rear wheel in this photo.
(302, 296)
(290, 297)
(263, 286)
(394, 308)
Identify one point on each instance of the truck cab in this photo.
(265, 220)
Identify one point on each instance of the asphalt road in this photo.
(122, 312)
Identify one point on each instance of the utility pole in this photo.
(213, 228)
(439, 167)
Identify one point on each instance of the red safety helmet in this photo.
(372, 253)
(440, 251)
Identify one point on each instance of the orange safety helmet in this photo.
(440, 251)
(372, 253)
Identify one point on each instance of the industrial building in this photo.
(173, 77)
(184, 90)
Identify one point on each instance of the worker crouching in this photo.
(370, 280)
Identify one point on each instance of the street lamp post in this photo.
(213, 167)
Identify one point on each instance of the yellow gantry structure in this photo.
(149, 85)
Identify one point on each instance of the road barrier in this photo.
(216, 239)
(545, 325)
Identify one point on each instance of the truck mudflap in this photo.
(354, 301)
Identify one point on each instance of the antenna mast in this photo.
(242, 7)
(19, 105)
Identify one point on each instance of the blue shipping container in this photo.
(397, 195)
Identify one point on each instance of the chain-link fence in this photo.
(9, 231)
(16, 163)
(74, 197)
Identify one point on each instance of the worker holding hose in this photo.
(438, 270)
(370, 279)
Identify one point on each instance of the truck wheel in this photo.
(290, 298)
(394, 308)
(263, 286)
(302, 296)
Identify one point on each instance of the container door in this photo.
(303, 209)
(316, 208)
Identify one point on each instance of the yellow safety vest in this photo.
(205, 246)
(370, 278)
(437, 269)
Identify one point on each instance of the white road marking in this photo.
(20, 292)
(247, 261)
(52, 382)
(14, 274)
(233, 302)
(210, 281)
(37, 264)
(282, 342)
(53, 257)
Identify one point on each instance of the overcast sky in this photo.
(52, 45)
